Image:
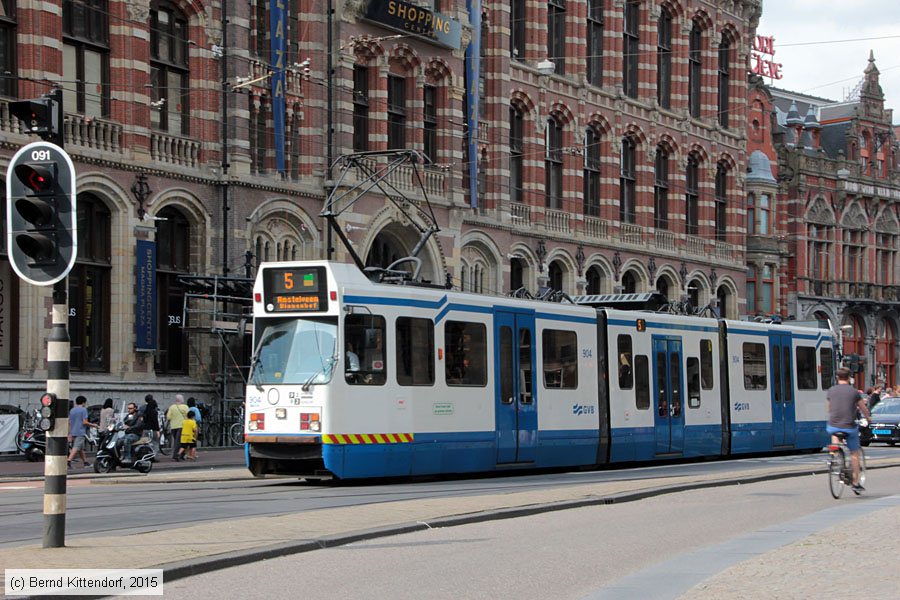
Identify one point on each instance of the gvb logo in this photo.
(582, 409)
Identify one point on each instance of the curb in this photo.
(199, 566)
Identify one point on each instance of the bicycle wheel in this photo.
(835, 469)
(236, 433)
(20, 439)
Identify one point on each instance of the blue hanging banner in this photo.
(473, 84)
(145, 296)
(277, 25)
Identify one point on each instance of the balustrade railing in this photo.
(596, 228)
(664, 240)
(174, 150)
(631, 234)
(556, 220)
(520, 213)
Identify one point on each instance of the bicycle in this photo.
(840, 467)
(236, 431)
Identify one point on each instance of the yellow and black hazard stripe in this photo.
(367, 438)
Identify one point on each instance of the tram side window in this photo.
(560, 359)
(626, 376)
(466, 353)
(642, 382)
(826, 358)
(364, 337)
(806, 368)
(693, 381)
(415, 351)
(706, 364)
(754, 366)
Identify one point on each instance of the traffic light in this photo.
(40, 204)
(37, 115)
(48, 412)
(852, 362)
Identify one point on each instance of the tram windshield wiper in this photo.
(256, 367)
(328, 364)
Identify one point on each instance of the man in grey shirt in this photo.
(844, 401)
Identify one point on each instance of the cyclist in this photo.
(844, 401)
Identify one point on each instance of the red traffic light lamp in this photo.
(48, 410)
(38, 178)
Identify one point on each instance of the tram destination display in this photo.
(295, 290)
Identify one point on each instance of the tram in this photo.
(355, 378)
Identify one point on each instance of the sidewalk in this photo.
(201, 548)
(16, 468)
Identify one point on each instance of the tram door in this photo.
(516, 389)
(783, 405)
(669, 386)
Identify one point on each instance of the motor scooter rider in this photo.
(134, 429)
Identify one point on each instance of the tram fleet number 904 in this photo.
(356, 379)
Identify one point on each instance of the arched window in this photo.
(169, 72)
(85, 56)
(595, 42)
(555, 271)
(692, 196)
(396, 112)
(627, 182)
(516, 155)
(721, 201)
(89, 288)
(553, 164)
(662, 286)
(517, 30)
(360, 108)
(591, 173)
(594, 278)
(724, 81)
(885, 354)
(516, 274)
(664, 58)
(629, 283)
(693, 293)
(661, 189)
(722, 298)
(173, 260)
(630, 61)
(8, 84)
(556, 34)
(695, 69)
(9, 296)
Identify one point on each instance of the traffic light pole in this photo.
(55, 466)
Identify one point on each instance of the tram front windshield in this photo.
(298, 351)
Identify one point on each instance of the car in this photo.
(884, 426)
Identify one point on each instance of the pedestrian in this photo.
(188, 438)
(176, 415)
(151, 422)
(106, 414)
(874, 395)
(198, 418)
(78, 424)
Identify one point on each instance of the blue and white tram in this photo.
(357, 379)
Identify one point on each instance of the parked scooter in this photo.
(111, 452)
(34, 444)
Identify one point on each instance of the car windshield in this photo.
(298, 351)
(890, 406)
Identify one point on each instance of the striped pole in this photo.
(57, 437)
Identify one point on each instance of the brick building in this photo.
(823, 230)
(610, 152)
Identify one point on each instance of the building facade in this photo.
(610, 154)
(823, 232)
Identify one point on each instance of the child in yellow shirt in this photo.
(188, 437)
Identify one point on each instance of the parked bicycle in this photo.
(840, 467)
(236, 432)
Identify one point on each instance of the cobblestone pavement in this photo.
(857, 557)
